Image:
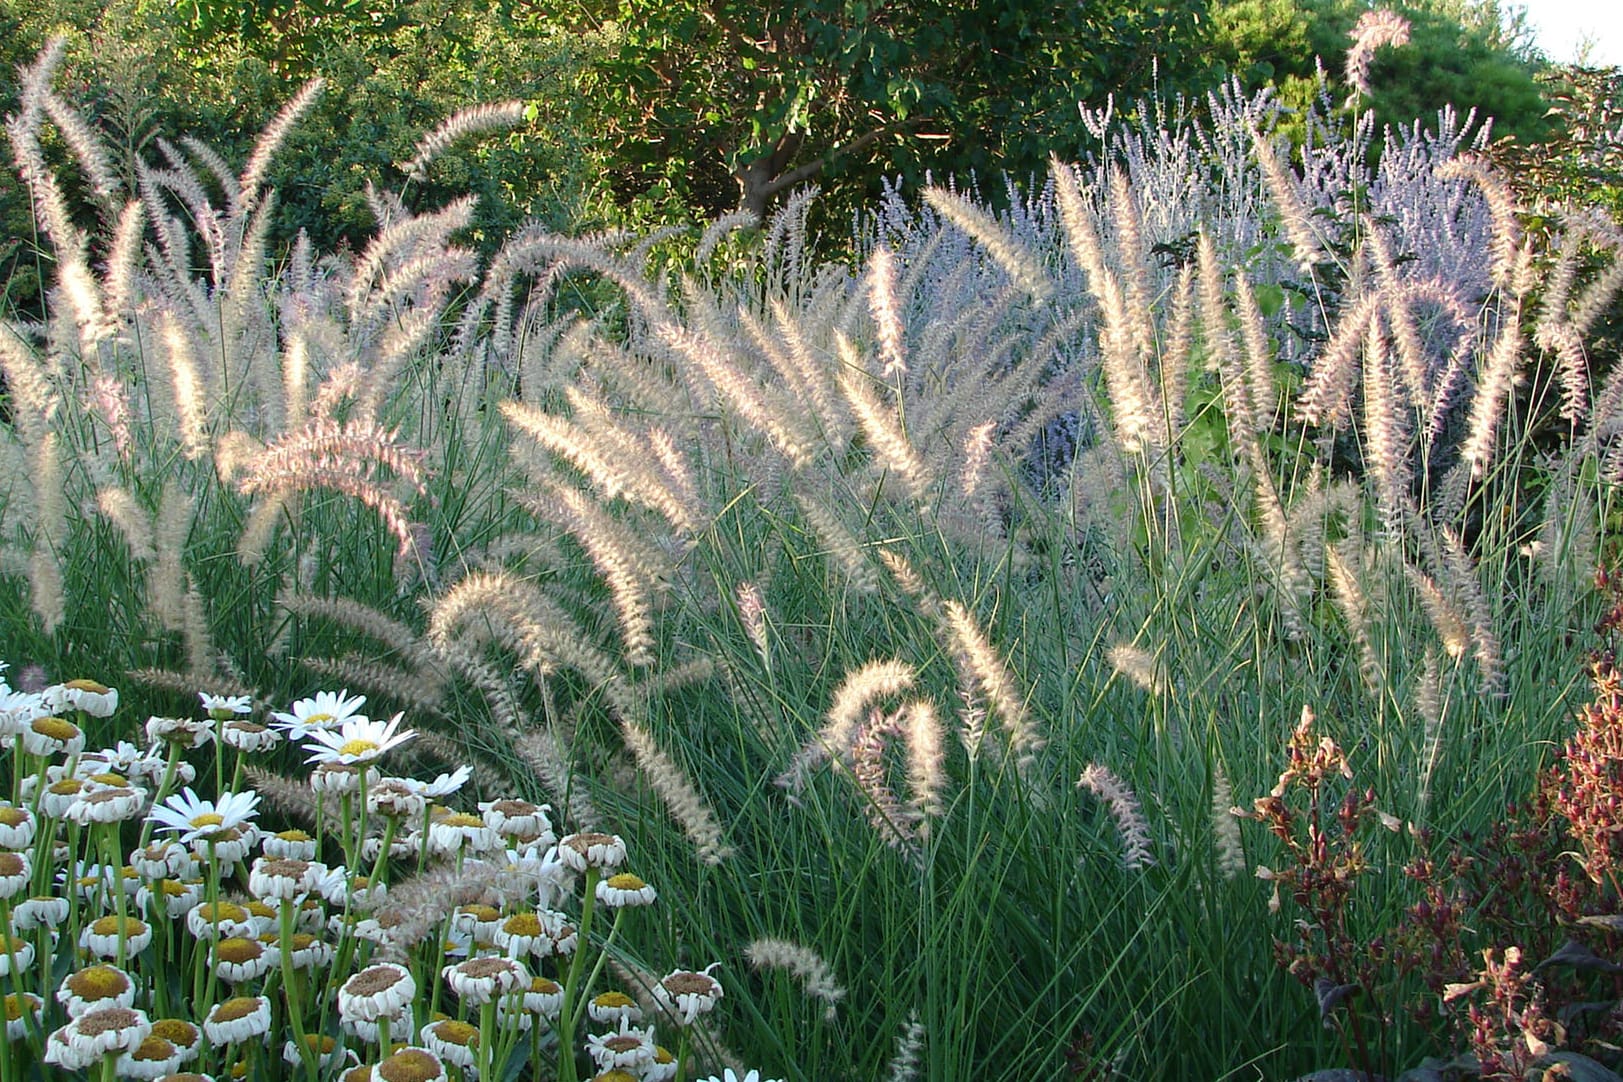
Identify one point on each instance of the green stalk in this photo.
(290, 990)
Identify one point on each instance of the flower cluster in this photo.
(403, 938)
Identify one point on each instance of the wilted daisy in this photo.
(23, 1010)
(338, 778)
(289, 845)
(17, 709)
(328, 1054)
(612, 1008)
(663, 1069)
(225, 707)
(516, 817)
(101, 936)
(456, 1043)
(185, 733)
(304, 950)
(452, 831)
(239, 1019)
(16, 872)
(544, 997)
(283, 878)
(201, 820)
(154, 1057)
(94, 1034)
(590, 849)
(15, 951)
(409, 1064)
(687, 993)
(85, 696)
(95, 986)
(239, 958)
(396, 798)
(163, 860)
(40, 911)
(521, 934)
(186, 1038)
(358, 742)
(51, 735)
(211, 920)
(168, 898)
(59, 796)
(627, 1048)
(107, 804)
(324, 710)
(381, 990)
(249, 737)
(728, 1075)
(17, 826)
(480, 980)
(624, 890)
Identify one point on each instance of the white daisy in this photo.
(41, 911)
(456, 1043)
(51, 735)
(590, 849)
(23, 1012)
(163, 860)
(325, 710)
(108, 804)
(168, 898)
(16, 872)
(238, 959)
(624, 890)
(730, 1076)
(202, 820)
(15, 951)
(409, 1064)
(101, 936)
(687, 993)
(95, 986)
(85, 696)
(188, 733)
(17, 827)
(154, 1057)
(611, 1008)
(359, 741)
(247, 736)
(480, 980)
(289, 845)
(283, 878)
(225, 707)
(627, 1048)
(381, 990)
(239, 1019)
(94, 1034)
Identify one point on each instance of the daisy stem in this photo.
(109, 1065)
(389, 826)
(169, 767)
(109, 857)
(568, 1017)
(290, 991)
(602, 957)
(383, 1035)
(360, 815)
(682, 1049)
(213, 880)
(29, 1021)
(487, 1036)
(219, 758)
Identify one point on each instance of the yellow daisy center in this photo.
(453, 1032)
(238, 951)
(12, 817)
(626, 881)
(15, 1005)
(525, 924)
(55, 728)
(175, 1031)
(357, 748)
(206, 819)
(129, 926)
(235, 1008)
(11, 864)
(88, 685)
(97, 982)
(153, 1048)
(409, 1065)
(613, 999)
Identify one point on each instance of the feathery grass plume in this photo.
(1386, 434)
(752, 614)
(1568, 539)
(33, 398)
(1309, 250)
(978, 663)
(1397, 297)
(423, 694)
(1130, 823)
(618, 468)
(348, 458)
(50, 205)
(1428, 698)
(1445, 618)
(1122, 341)
(1342, 565)
(270, 141)
(1023, 266)
(1373, 30)
(805, 965)
(633, 569)
(260, 527)
(1137, 665)
(1259, 364)
(196, 634)
(479, 118)
(1130, 245)
(865, 759)
(187, 382)
(417, 907)
(874, 681)
(1493, 392)
(911, 583)
(926, 761)
(1240, 404)
(881, 424)
(46, 596)
(1460, 578)
(121, 508)
(1225, 826)
(166, 584)
(757, 406)
(1327, 393)
(719, 230)
(1509, 256)
(85, 145)
(840, 543)
(886, 311)
(680, 796)
(904, 1065)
